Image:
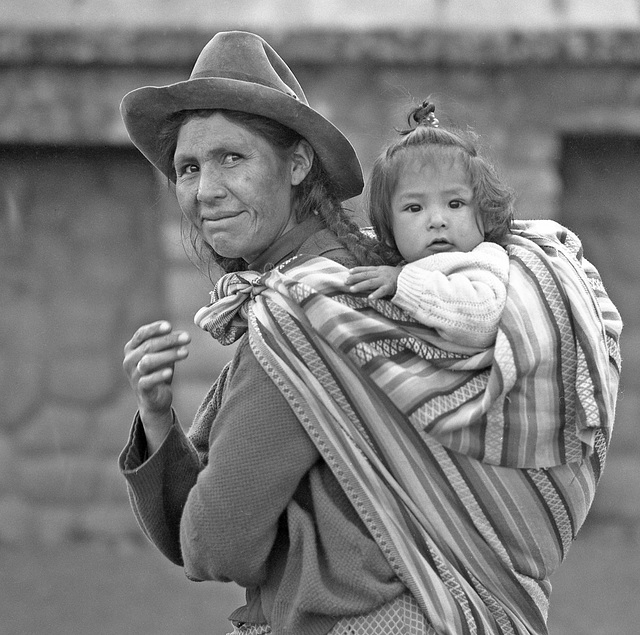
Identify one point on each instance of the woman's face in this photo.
(234, 186)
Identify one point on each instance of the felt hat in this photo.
(240, 71)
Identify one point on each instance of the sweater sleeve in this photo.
(460, 294)
(211, 500)
(158, 485)
(258, 454)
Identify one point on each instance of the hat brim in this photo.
(145, 110)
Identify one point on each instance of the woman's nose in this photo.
(210, 187)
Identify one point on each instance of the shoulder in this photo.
(490, 251)
(325, 243)
(484, 254)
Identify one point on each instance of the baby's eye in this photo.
(456, 204)
(412, 208)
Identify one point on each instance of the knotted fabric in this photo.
(225, 317)
(473, 469)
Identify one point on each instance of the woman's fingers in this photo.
(155, 337)
(150, 381)
(150, 355)
(149, 360)
(152, 361)
(147, 331)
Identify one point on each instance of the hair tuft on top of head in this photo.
(494, 199)
(424, 115)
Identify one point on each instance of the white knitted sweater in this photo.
(459, 294)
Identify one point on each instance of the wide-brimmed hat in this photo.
(240, 71)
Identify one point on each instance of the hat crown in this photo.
(246, 57)
(239, 71)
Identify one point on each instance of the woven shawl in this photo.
(472, 469)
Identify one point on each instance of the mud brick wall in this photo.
(89, 240)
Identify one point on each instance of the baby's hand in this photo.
(381, 281)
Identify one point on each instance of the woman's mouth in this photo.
(218, 217)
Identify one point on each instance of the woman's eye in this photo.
(230, 158)
(189, 168)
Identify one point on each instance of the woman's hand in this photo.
(382, 281)
(149, 360)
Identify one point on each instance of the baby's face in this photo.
(434, 210)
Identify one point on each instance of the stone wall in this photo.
(81, 267)
(333, 14)
(90, 245)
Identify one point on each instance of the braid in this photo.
(316, 198)
(365, 249)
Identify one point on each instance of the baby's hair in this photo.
(493, 198)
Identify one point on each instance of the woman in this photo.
(245, 497)
(351, 471)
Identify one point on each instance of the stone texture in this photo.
(331, 15)
(187, 290)
(617, 498)
(55, 525)
(626, 432)
(90, 244)
(111, 424)
(67, 479)
(84, 377)
(54, 428)
(630, 378)
(108, 523)
(8, 465)
(18, 521)
(23, 344)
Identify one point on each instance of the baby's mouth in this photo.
(439, 244)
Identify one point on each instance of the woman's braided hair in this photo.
(314, 196)
(425, 136)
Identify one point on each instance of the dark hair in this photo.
(315, 195)
(493, 199)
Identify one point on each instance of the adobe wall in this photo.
(289, 15)
(85, 261)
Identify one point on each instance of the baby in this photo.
(439, 204)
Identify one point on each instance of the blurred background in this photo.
(90, 249)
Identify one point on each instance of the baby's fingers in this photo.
(363, 286)
(379, 293)
(358, 274)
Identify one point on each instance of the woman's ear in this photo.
(301, 161)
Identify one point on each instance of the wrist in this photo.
(156, 427)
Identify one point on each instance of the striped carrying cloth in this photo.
(473, 469)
